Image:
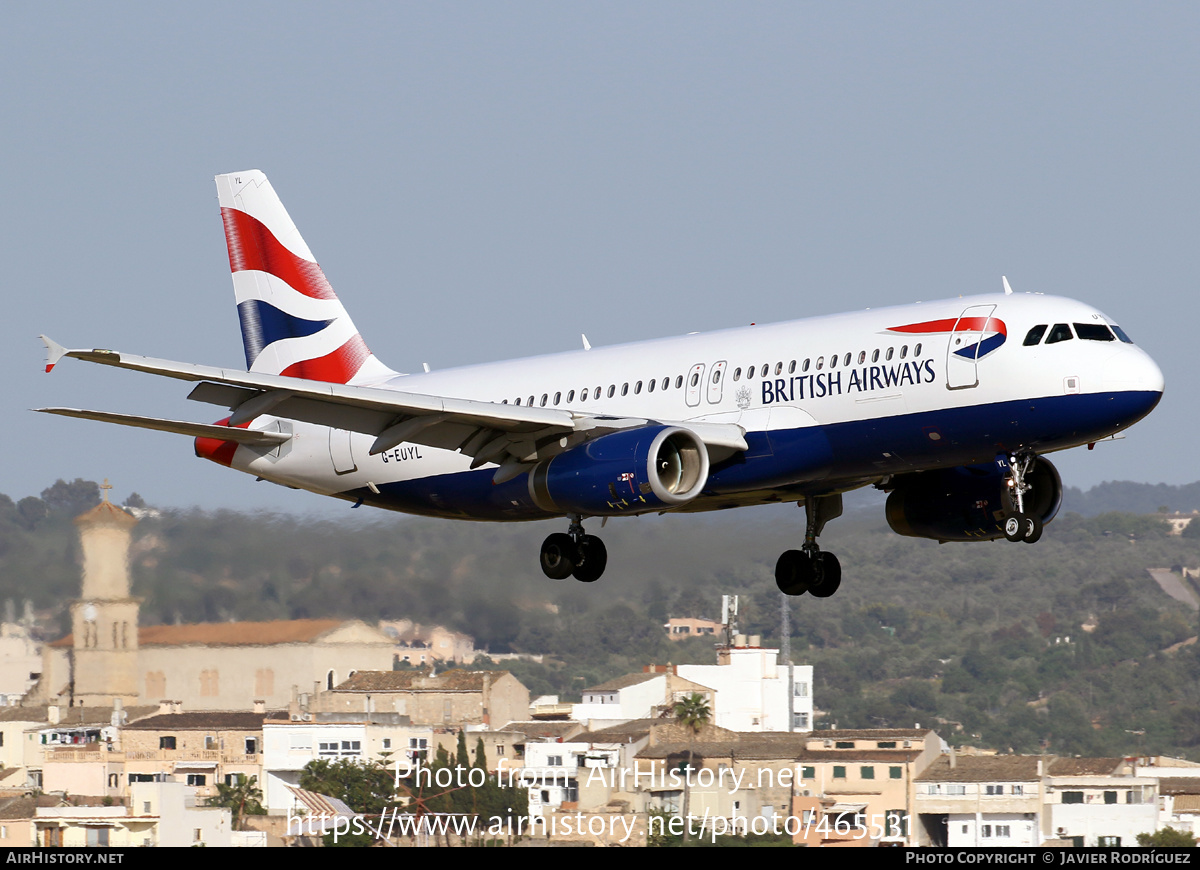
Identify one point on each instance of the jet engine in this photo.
(630, 471)
(969, 502)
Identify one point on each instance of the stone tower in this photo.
(104, 621)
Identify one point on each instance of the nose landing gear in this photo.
(574, 554)
(1019, 525)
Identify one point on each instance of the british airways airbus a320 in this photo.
(948, 406)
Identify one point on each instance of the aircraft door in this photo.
(694, 385)
(340, 451)
(969, 330)
(716, 381)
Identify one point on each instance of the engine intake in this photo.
(632, 471)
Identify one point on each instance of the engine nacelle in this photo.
(967, 503)
(642, 469)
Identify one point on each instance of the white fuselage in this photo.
(878, 399)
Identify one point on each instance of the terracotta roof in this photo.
(206, 721)
(618, 683)
(230, 633)
(105, 513)
(984, 768)
(760, 747)
(545, 730)
(18, 808)
(456, 680)
(1187, 803)
(1179, 785)
(69, 716)
(1084, 766)
(626, 732)
(870, 734)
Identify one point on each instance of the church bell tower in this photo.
(104, 621)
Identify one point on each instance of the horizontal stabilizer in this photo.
(180, 427)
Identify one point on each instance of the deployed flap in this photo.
(180, 427)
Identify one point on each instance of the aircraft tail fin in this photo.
(292, 322)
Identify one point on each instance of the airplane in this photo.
(947, 406)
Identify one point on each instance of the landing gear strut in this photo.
(1018, 524)
(809, 569)
(574, 554)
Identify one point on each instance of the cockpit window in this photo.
(1121, 335)
(1093, 332)
(1059, 332)
(1034, 336)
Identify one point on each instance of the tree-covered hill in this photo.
(1067, 646)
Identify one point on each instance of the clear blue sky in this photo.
(488, 180)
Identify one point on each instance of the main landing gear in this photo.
(809, 569)
(1019, 525)
(574, 554)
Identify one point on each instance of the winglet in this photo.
(1007, 289)
(54, 351)
(587, 345)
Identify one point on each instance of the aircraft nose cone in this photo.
(1136, 379)
(1133, 371)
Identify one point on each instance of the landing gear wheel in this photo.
(559, 555)
(829, 575)
(794, 573)
(591, 559)
(1033, 528)
(1014, 526)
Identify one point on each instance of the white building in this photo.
(752, 689)
(159, 814)
(289, 746)
(1099, 802)
(980, 800)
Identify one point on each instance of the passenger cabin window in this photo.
(1060, 332)
(846, 361)
(737, 373)
(678, 381)
(1093, 332)
(1034, 336)
(766, 368)
(875, 356)
(650, 387)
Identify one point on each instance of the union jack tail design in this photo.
(292, 322)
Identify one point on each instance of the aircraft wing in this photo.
(512, 436)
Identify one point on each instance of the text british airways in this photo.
(866, 379)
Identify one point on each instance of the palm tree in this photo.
(243, 798)
(692, 712)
